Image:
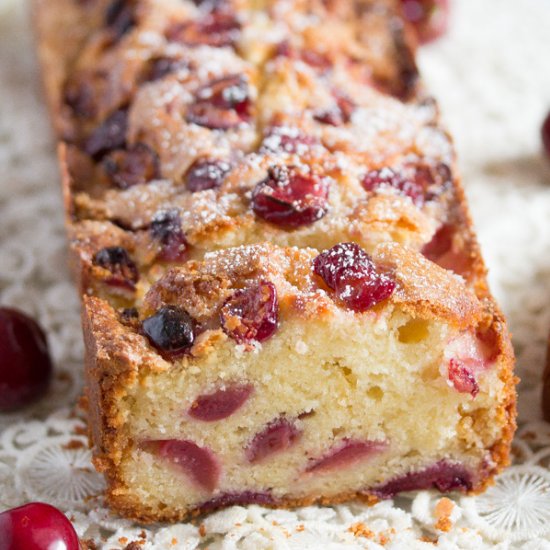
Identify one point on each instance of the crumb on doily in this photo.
(135, 545)
(429, 540)
(202, 530)
(359, 529)
(73, 444)
(442, 511)
(87, 544)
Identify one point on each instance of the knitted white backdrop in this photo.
(492, 76)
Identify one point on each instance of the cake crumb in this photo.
(429, 540)
(359, 529)
(443, 510)
(300, 528)
(202, 530)
(73, 444)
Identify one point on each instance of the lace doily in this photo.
(491, 75)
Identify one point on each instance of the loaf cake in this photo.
(283, 299)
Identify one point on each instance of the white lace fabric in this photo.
(491, 76)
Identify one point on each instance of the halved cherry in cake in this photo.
(287, 139)
(349, 271)
(279, 435)
(36, 526)
(206, 173)
(218, 28)
(221, 104)
(25, 362)
(462, 377)
(345, 454)
(166, 230)
(220, 404)
(251, 314)
(430, 18)
(445, 252)
(171, 329)
(338, 114)
(317, 60)
(109, 135)
(162, 66)
(123, 271)
(290, 198)
(135, 165)
(238, 499)
(200, 464)
(443, 475)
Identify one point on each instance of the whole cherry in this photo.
(25, 363)
(36, 526)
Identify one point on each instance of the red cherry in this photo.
(251, 314)
(279, 435)
(290, 198)
(462, 378)
(36, 526)
(429, 18)
(220, 404)
(25, 364)
(347, 454)
(545, 133)
(388, 178)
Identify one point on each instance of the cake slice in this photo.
(269, 375)
(283, 298)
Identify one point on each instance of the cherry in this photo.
(133, 166)
(221, 104)
(218, 29)
(337, 115)
(317, 60)
(170, 329)
(462, 377)
(25, 363)
(123, 271)
(545, 133)
(220, 404)
(251, 314)
(79, 95)
(109, 135)
(388, 178)
(349, 453)
(444, 476)
(348, 270)
(290, 198)
(279, 435)
(166, 229)
(199, 463)
(36, 526)
(206, 173)
(159, 67)
(240, 499)
(429, 18)
(287, 139)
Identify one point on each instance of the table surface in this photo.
(492, 77)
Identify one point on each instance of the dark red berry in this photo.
(443, 476)
(239, 499)
(120, 17)
(79, 94)
(123, 271)
(441, 243)
(462, 378)
(337, 115)
(220, 404)
(429, 18)
(389, 179)
(36, 526)
(166, 230)
(279, 435)
(290, 198)
(25, 364)
(109, 135)
(251, 314)
(221, 104)
(545, 133)
(349, 271)
(198, 463)
(218, 29)
(286, 139)
(317, 60)
(170, 329)
(348, 453)
(206, 173)
(160, 67)
(133, 166)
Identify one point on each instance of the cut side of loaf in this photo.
(283, 298)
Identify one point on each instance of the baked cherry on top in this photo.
(36, 526)
(25, 363)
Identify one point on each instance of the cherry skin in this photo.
(545, 134)
(25, 363)
(36, 526)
